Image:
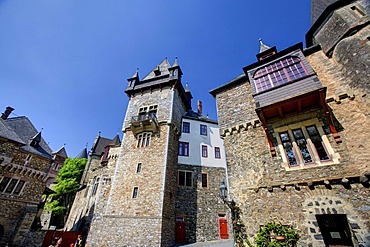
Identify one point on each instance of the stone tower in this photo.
(140, 207)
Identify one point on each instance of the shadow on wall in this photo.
(84, 223)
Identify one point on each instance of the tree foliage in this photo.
(68, 181)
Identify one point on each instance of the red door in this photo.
(222, 222)
(180, 231)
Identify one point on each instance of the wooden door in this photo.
(180, 230)
(222, 223)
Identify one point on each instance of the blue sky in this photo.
(65, 63)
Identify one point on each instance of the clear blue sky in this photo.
(64, 63)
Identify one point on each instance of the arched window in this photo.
(278, 73)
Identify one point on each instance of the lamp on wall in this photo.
(235, 214)
(223, 190)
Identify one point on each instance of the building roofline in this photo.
(203, 119)
(232, 82)
(298, 46)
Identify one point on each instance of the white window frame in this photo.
(333, 157)
(143, 139)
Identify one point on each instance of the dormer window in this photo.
(278, 73)
(157, 71)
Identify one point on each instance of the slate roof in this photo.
(8, 133)
(82, 154)
(21, 129)
(102, 142)
(241, 77)
(61, 152)
(162, 67)
(190, 114)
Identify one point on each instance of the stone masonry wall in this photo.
(200, 206)
(168, 223)
(14, 216)
(235, 106)
(265, 190)
(112, 231)
(86, 204)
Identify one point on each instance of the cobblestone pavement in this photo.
(219, 243)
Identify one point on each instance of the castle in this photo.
(160, 185)
(294, 127)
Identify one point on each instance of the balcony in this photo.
(144, 123)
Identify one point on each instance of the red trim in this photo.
(334, 132)
(269, 140)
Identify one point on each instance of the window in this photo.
(143, 140)
(217, 153)
(185, 178)
(27, 160)
(147, 112)
(183, 149)
(204, 151)
(278, 73)
(203, 130)
(204, 180)
(104, 157)
(96, 184)
(135, 192)
(11, 185)
(304, 145)
(185, 127)
(138, 168)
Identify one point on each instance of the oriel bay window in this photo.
(305, 144)
(278, 73)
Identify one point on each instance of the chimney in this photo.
(199, 107)
(7, 112)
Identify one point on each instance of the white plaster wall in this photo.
(196, 140)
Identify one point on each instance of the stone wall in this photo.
(299, 207)
(235, 106)
(265, 189)
(16, 215)
(86, 202)
(200, 206)
(122, 231)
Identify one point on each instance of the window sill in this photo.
(311, 165)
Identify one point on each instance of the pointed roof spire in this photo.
(116, 141)
(82, 154)
(136, 74)
(161, 69)
(61, 152)
(263, 47)
(95, 142)
(187, 87)
(265, 51)
(175, 63)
